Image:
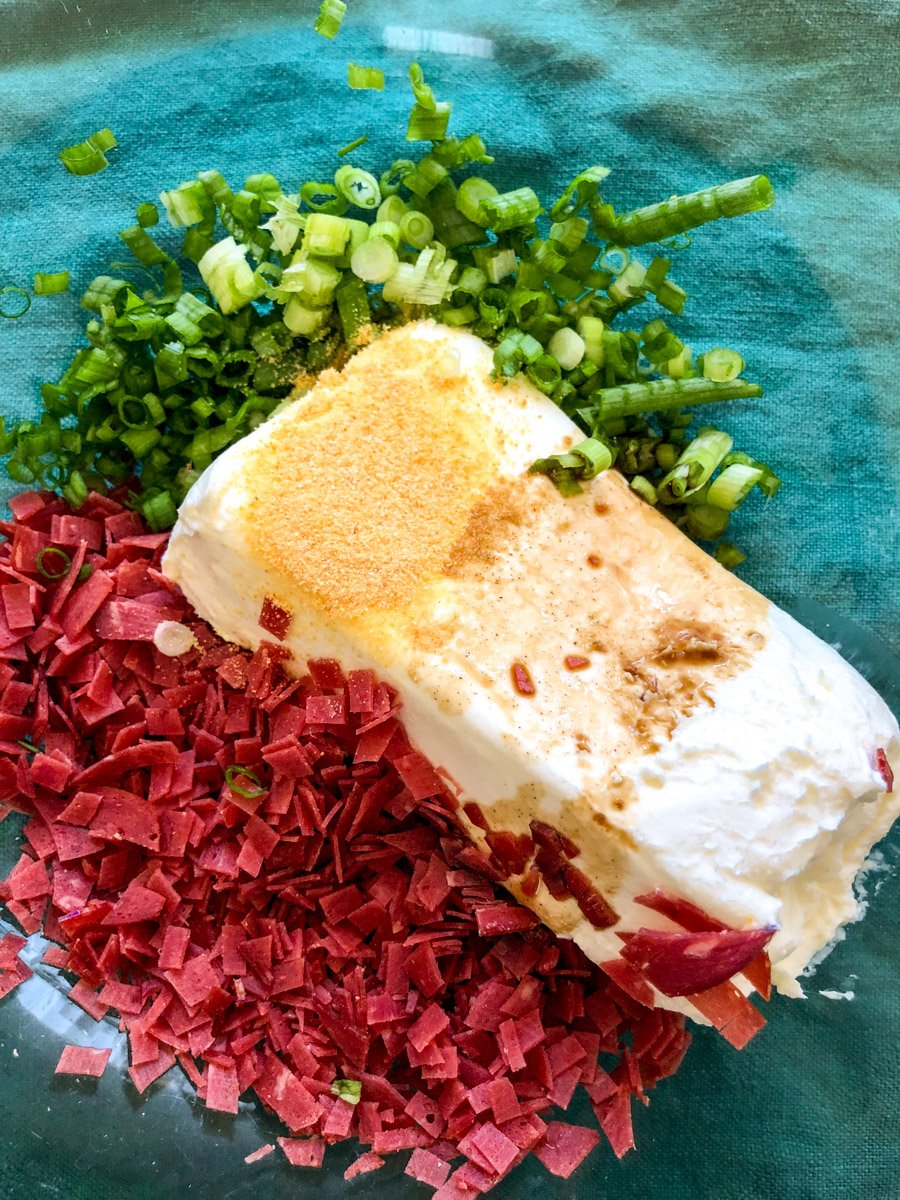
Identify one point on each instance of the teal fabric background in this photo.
(672, 97)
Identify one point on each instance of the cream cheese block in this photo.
(574, 661)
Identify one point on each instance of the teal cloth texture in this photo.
(672, 98)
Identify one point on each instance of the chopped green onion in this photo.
(469, 196)
(657, 222)
(470, 285)
(567, 347)
(314, 282)
(328, 22)
(632, 399)
(628, 285)
(235, 772)
(348, 1090)
(353, 309)
(515, 351)
(191, 320)
(728, 555)
(591, 331)
(51, 284)
(187, 204)
(51, 571)
(355, 145)
(582, 189)
(11, 308)
(159, 512)
(644, 488)
(584, 461)
(88, 157)
(392, 208)
(143, 247)
(392, 179)
(365, 78)
(425, 176)
(389, 230)
(228, 275)
(695, 466)
(706, 523)
(325, 235)
(428, 125)
(323, 197)
(722, 366)
(498, 266)
(27, 745)
(375, 261)
(147, 215)
(424, 282)
(507, 210)
(732, 486)
(416, 230)
(545, 373)
(302, 319)
(358, 187)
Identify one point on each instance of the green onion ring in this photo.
(25, 302)
(236, 771)
(49, 574)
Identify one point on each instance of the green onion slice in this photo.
(354, 145)
(582, 189)
(88, 157)
(365, 78)
(50, 284)
(328, 22)
(358, 187)
(49, 569)
(349, 1090)
(14, 302)
(722, 366)
(235, 772)
(732, 486)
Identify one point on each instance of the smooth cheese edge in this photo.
(810, 848)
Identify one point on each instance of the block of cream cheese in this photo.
(576, 662)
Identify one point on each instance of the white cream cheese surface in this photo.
(682, 731)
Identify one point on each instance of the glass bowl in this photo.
(672, 98)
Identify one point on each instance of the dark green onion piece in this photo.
(236, 771)
(354, 145)
(656, 222)
(11, 308)
(51, 284)
(328, 22)
(47, 570)
(349, 1090)
(582, 189)
(147, 215)
(545, 373)
(705, 523)
(159, 511)
(584, 461)
(88, 157)
(728, 555)
(392, 179)
(632, 399)
(364, 79)
(323, 197)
